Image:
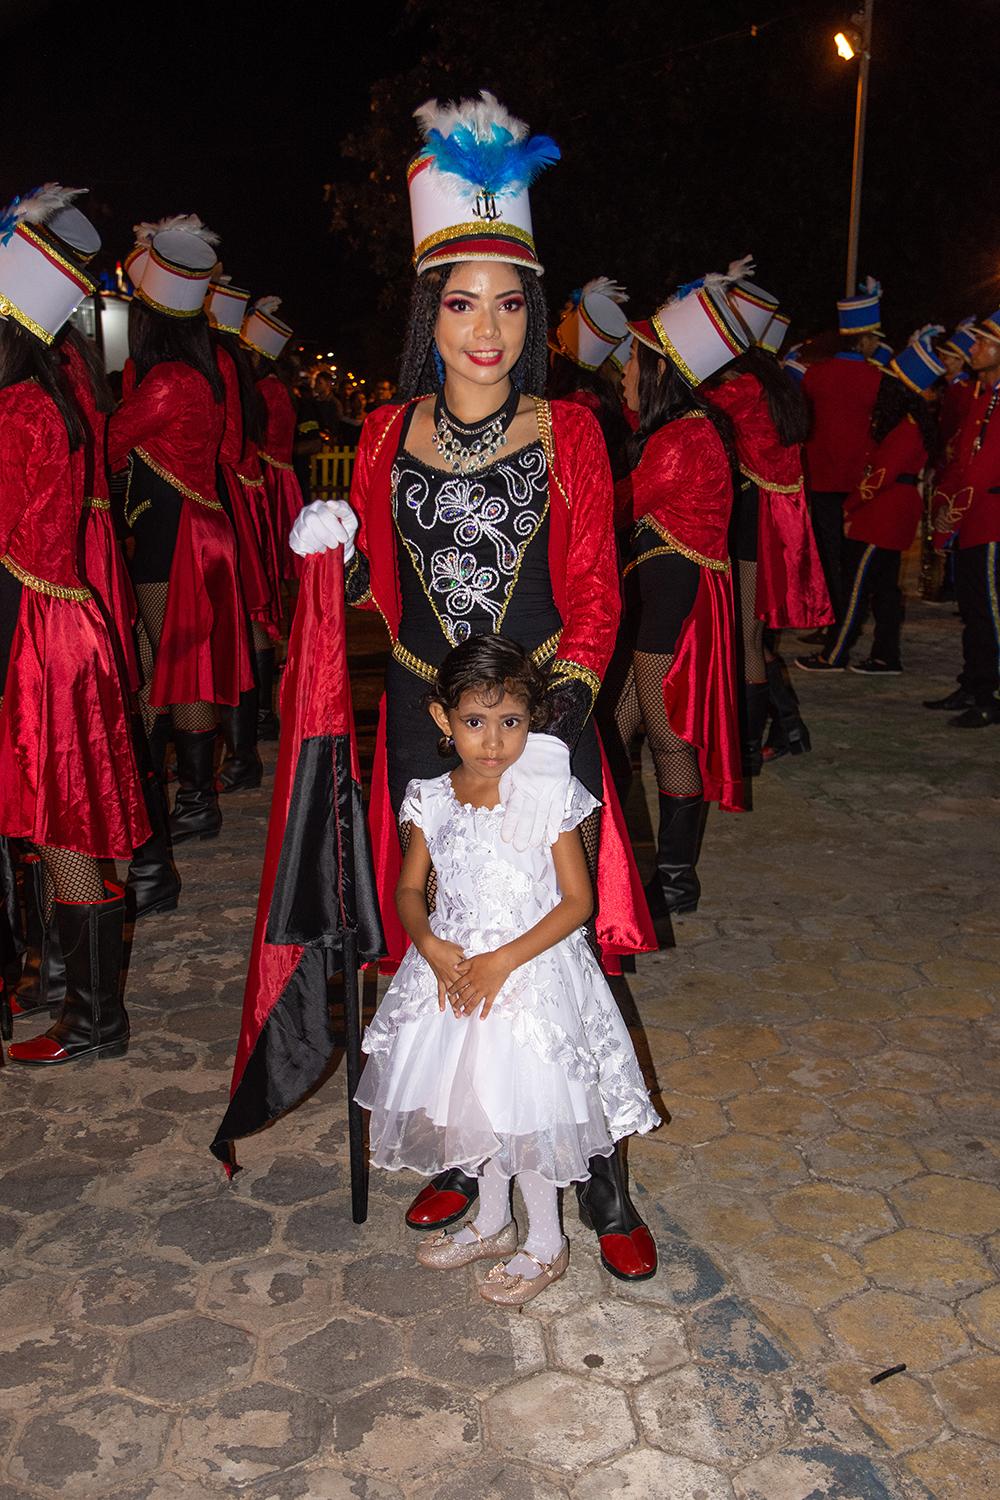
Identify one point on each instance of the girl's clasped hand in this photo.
(465, 983)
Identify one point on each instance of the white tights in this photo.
(541, 1199)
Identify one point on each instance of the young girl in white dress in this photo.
(498, 1047)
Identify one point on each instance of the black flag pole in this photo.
(355, 1118)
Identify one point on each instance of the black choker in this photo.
(464, 448)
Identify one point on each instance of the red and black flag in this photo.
(317, 912)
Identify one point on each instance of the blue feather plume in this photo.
(495, 165)
(10, 217)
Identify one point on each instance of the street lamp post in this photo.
(863, 24)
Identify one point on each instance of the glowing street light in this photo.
(856, 40)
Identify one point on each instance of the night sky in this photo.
(686, 140)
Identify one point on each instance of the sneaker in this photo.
(960, 698)
(817, 663)
(873, 668)
(977, 717)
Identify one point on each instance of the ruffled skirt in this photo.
(547, 1081)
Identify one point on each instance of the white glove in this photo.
(323, 525)
(534, 791)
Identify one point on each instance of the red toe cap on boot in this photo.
(40, 1050)
(630, 1257)
(431, 1207)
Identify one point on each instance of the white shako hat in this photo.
(262, 331)
(750, 301)
(180, 270)
(469, 184)
(620, 357)
(226, 305)
(696, 330)
(774, 334)
(39, 285)
(589, 332)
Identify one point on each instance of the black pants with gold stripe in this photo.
(977, 584)
(870, 580)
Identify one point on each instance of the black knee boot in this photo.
(267, 719)
(153, 885)
(42, 985)
(241, 769)
(756, 696)
(628, 1250)
(196, 811)
(92, 1021)
(675, 887)
(788, 734)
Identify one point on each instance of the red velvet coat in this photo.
(68, 777)
(968, 496)
(283, 489)
(585, 588)
(103, 564)
(173, 422)
(842, 394)
(955, 401)
(885, 508)
(260, 573)
(683, 485)
(791, 587)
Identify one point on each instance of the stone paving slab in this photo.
(826, 1196)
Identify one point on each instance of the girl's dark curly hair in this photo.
(417, 375)
(490, 666)
(894, 402)
(663, 397)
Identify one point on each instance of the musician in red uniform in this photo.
(882, 516)
(967, 502)
(841, 392)
(265, 337)
(679, 628)
(482, 508)
(69, 784)
(168, 431)
(243, 484)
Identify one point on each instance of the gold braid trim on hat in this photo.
(9, 309)
(479, 229)
(171, 312)
(175, 483)
(671, 352)
(42, 585)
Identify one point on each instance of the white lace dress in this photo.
(550, 1078)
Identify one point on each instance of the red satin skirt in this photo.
(285, 497)
(204, 652)
(699, 691)
(266, 531)
(68, 777)
(255, 584)
(105, 572)
(791, 585)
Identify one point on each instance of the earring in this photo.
(446, 746)
(438, 363)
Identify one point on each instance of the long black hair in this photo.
(72, 337)
(664, 395)
(417, 375)
(25, 357)
(156, 338)
(785, 398)
(893, 404)
(566, 377)
(251, 402)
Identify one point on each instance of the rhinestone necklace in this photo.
(467, 449)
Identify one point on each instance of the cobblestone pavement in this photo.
(825, 1196)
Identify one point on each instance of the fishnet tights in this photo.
(194, 718)
(751, 629)
(641, 703)
(68, 876)
(261, 640)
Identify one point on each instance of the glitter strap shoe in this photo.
(444, 1253)
(506, 1290)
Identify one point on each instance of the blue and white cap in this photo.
(881, 354)
(961, 339)
(863, 313)
(916, 365)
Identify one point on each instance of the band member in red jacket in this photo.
(841, 392)
(69, 784)
(479, 508)
(882, 516)
(968, 503)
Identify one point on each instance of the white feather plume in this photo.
(146, 232)
(606, 288)
(926, 333)
(740, 269)
(478, 115)
(39, 206)
(267, 305)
